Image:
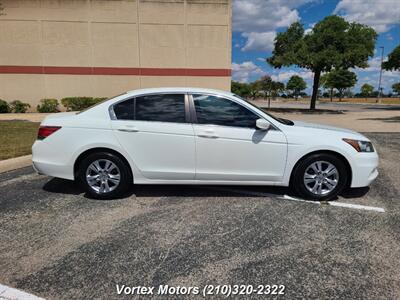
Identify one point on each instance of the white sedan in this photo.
(198, 136)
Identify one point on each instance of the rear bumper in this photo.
(364, 169)
(44, 162)
(59, 171)
(36, 169)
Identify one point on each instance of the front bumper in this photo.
(364, 169)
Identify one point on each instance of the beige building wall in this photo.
(104, 47)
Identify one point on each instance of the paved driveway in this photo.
(57, 244)
(358, 117)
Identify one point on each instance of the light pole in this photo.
(380, 78)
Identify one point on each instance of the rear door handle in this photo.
(208, 134)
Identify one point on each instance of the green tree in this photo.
(277, 87)
(241, 89)
(396, 88)
(255, 88)
(270, 88)
(367, 90)
(326, 84)
(265, 84)
(393, 62)
(341, 80)
(296, 84)
(333, 43)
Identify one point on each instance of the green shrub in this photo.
(18, 106)
(48, 106)
(79, 103)
(100, 99)
(4, 107)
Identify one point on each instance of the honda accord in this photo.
(198, 136)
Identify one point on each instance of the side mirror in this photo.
(263, 124)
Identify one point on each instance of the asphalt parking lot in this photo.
(58, 244)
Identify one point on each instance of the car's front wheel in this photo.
(320, 176)
(104, 175)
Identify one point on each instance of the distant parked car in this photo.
(198, 136)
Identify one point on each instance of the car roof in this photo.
(178, 90)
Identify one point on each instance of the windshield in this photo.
(280, 120)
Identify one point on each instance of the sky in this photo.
(256, 22)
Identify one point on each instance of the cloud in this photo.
(389, 37)
(391, 75)
(310, 28)
(259, 41)
(285, 75)
(370, 75)
(381, 15)
(388, 79)
(258, 20)
(264, 15)
(308, 31)
(374, 65)
(245, 71)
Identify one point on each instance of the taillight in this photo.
(45, 131)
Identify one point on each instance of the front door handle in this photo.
(208, 134)
(128, 129)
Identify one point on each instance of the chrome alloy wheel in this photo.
(103, 176)
(321, 177)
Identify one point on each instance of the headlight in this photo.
(360, 146)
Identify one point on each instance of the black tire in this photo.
(297, 180)
(126, 178)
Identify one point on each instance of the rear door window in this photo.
(161, 108)
(124, 110)
(156, 108)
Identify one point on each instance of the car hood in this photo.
(325, 127)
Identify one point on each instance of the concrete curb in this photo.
(15, 163)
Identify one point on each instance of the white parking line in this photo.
(357, 206)
(9, 293)
(287, 197)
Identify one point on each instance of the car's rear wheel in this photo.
(320, 176)
(104, 175)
